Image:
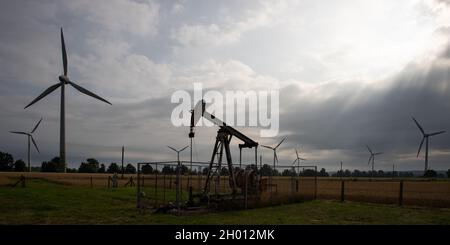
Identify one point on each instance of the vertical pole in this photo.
(342, 190)
(29, 165)
(62, 131)
(341, 171)
(138, 186)
(190, 168)
(156, 182)
(240, 157)
(426, 156)
(393, 169)
(246, 188)
(164, 188)
(400, 194)
(122, 160)
(315, 182)
(178, 183)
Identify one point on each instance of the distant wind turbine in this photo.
(275, 157)
(63, 80)
(30, 136)
(297, 160)
(372, 157)
(425, 137)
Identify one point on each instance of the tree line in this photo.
(91, 165)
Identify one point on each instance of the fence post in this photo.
(164, 188)
(342, 190)
(400, 194)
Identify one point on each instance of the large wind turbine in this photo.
(425, 137)
(63, 80)
(30, 136)
(275, 157)
(372, 157)
(297, 160)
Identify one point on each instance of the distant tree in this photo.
(102, 169)
(90, 166)
(71, 170)
(85, 168)
(265, 170)
(52, 166)
(167, 169)
(130, 169)
(93, 162)
(20, 166)
(288, 172)
(323, 173)
(147, 169)
(183, 169)
(430, 174)
(224, 171)
(205, 171)
(113, 168)
(6, 161)
(448, 173)
(308, 173)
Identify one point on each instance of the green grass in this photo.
(43, 202)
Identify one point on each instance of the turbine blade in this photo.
(368, 148)
(17, 132)
(87, 92)
(45, 93)
(296, 152)
(276, 157)
(293, 163)
(440, 132)
(268, 147)
(418, 125)
(304, 159)
(172, 148)
(280, 142)
(35, 127)
(34, 143)
(378, 153)
(184, 148)
(64, 53)
(420, 146)
(370, 158)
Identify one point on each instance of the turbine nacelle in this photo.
(64, 79)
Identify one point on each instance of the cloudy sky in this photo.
(350, 73)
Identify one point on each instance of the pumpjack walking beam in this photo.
(223, 139)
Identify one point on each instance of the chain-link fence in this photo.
(183, 184)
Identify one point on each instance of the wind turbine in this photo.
(297, 160)
(178, 152)
(63, 80)
(30, 136)
(275, 157)
(178, 193)
(372, 157)
(425, 137)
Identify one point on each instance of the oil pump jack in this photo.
(223, 139)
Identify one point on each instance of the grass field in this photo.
(48, 202)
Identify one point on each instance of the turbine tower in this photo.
(425, 137)
(372, 157)
(30, 136)
(178, 180)
(63, 80)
